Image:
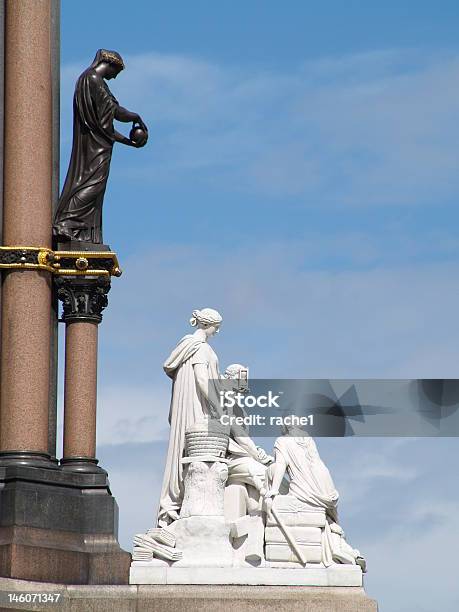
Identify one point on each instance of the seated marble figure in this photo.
(311, 502)
(247, 461)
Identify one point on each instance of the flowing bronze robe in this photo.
(79, 213)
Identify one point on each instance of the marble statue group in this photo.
(226, 502)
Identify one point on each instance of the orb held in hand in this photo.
(139, 136)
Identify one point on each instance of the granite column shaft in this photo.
(27, 211)
(80, 389)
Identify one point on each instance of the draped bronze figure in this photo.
(79, 213)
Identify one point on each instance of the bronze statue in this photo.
(79, 212)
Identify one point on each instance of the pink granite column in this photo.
(83, 300)
(80, 390)
(26, 295)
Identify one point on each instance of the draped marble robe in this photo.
(312, 485)
(310, 479)
(79, 212)
(188, 406)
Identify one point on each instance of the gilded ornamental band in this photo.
(61, 263)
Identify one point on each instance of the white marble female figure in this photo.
(192, 365)
(312, 486)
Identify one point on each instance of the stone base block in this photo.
(247, 538)
(294, 513)
(284, 552)
(299, 519)
(161, 573)
(204, 540)
(309, 540)
(64, 566)
(302, 535)
(59, 526)
(193, 598)
(254, 599)
(235, 501)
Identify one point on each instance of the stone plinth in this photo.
(197, 598)
(59, 526)
(160, 572)
(306, 526)
(204, 541)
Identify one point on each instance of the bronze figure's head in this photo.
(108, 63)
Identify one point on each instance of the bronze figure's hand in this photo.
(138, 135)
(139, 120)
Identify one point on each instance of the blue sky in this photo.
(301, 177)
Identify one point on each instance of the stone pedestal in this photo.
(305, 526)
(204, 541)
(162, 572)
(247, 538)
(198, 598)
(59, 526)
(202, 533)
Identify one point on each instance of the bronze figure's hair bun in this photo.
(112, 57)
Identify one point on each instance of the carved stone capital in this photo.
(83, 299)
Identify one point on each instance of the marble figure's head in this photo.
(206, 319)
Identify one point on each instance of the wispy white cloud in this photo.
(129, 414)
(397, 507)
(364, 467)
(410, 563)
(286, 319)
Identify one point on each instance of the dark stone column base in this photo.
(58, 526)
(28, 459)
(85, 465)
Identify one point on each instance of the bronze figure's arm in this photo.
(138, 139)
(125, 140)
(125, 116)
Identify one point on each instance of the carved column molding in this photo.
(83, 299)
